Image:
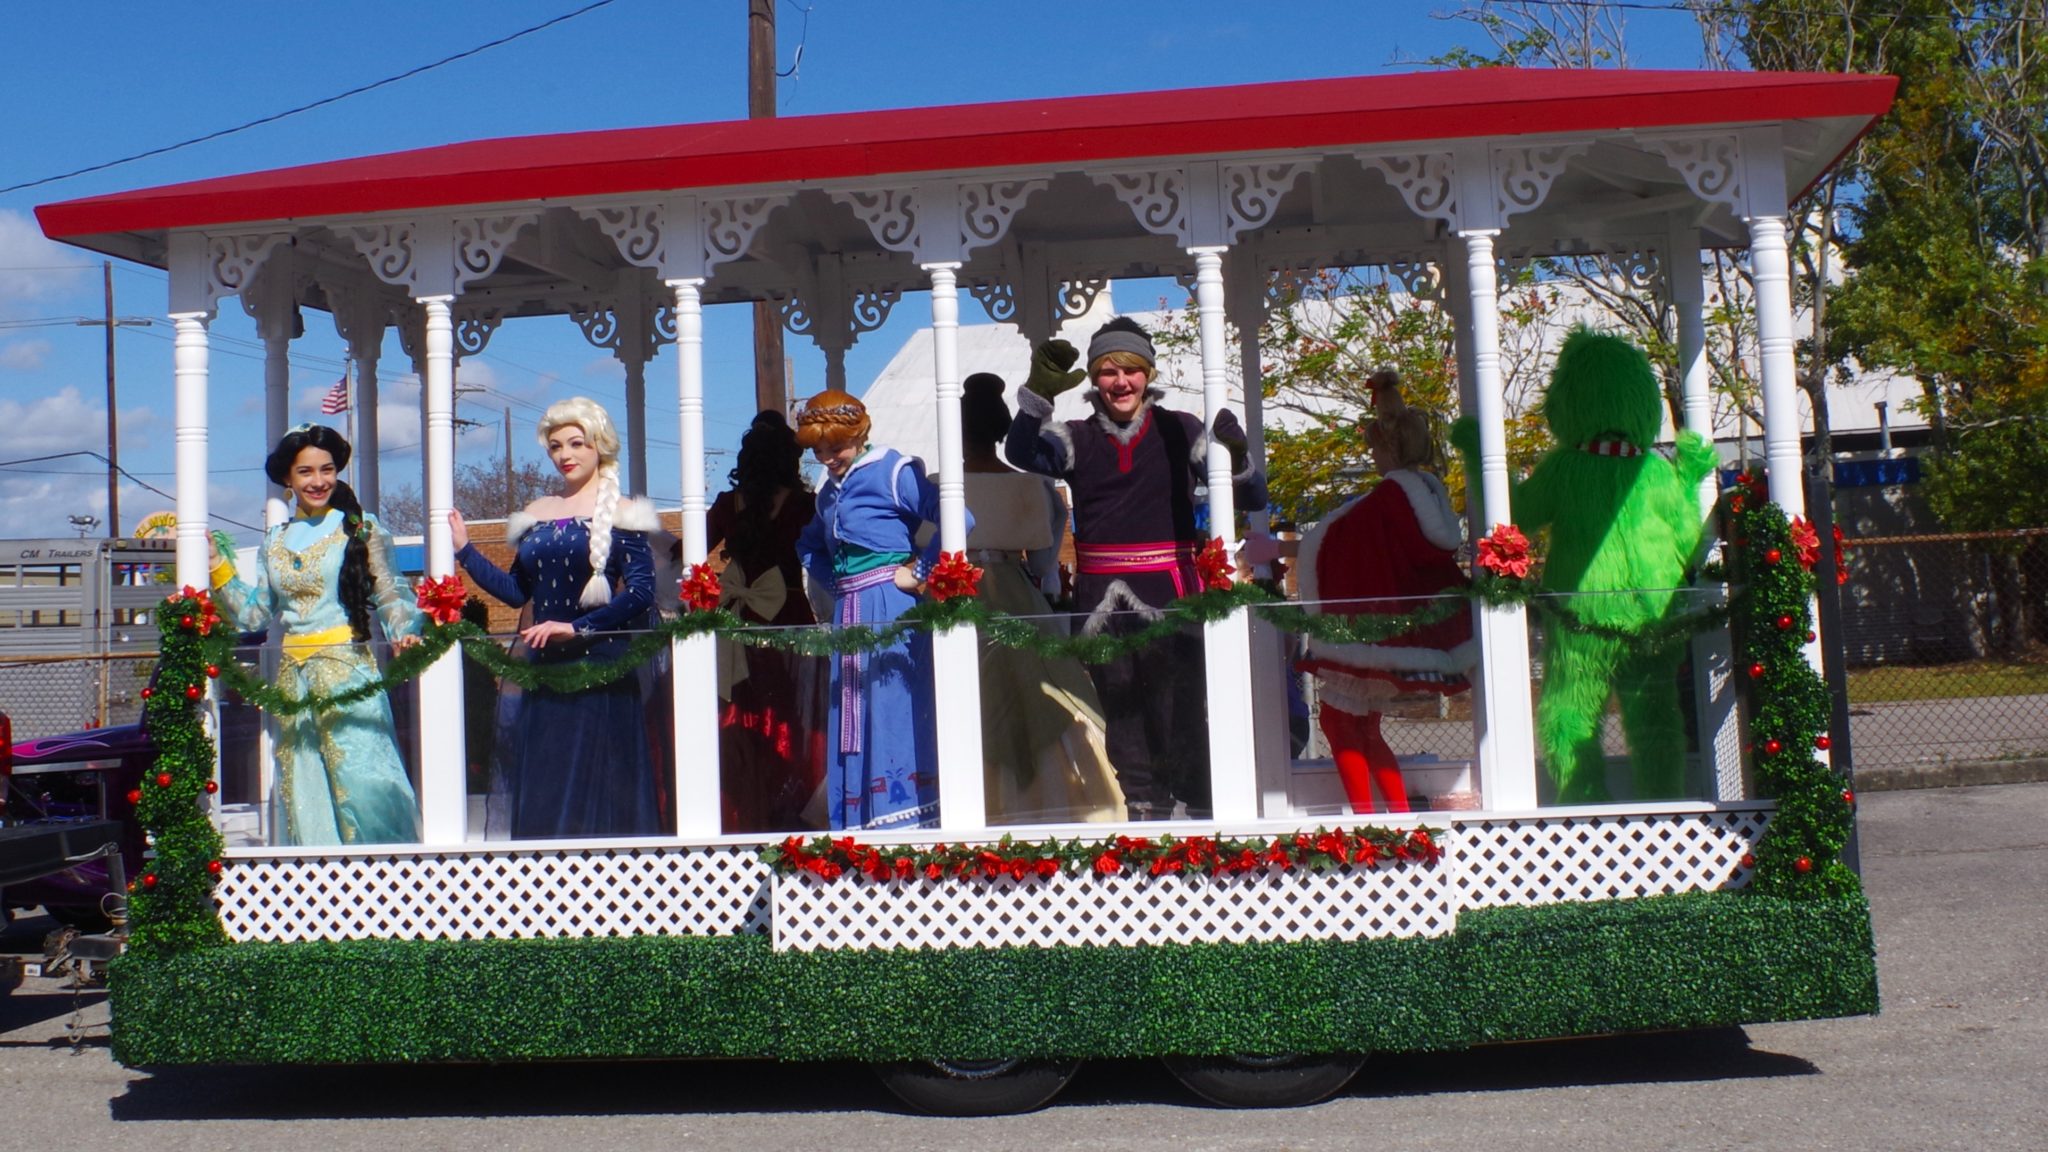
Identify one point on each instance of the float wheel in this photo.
(1286, 1081)
(977, 1087)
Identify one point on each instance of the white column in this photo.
(636, 422)
(189, 376)
(1226, 643)
(1713, 660)
(1507, 743)
(698, 807)
(1770, 267)
(277, 383)
(1271, 667)
(367, 443)
(444, 807)
(956, 652)
(1457, 301)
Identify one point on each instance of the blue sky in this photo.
(80, 90)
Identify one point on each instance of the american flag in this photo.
(336, 400)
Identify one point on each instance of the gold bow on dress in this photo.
(764, 596)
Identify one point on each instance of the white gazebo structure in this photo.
(1025, 209)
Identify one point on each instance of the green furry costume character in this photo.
(1624, 524)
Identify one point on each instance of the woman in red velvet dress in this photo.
(1385, 552)
(771, 750)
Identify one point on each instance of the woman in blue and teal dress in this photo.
(339, 776)
(881, 761)
(577, 764)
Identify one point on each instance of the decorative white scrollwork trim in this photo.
(389, 250)
(987, 208)
(599, 322)
(870, 309)
(1526, 173)
(1252, 191)
(1073, 298)
(1419, 277)
(730, 224)
(233, 261)
(663, 330)
(796, 315)
(1158, 198)
(1426, 181)
(1639, 268)
(889, 213)
(1711, 164)
(998, 298)
(473, 328)
(635, 228)
(480, 243)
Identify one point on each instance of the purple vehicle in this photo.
(68, 836)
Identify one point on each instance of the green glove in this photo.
(1052, 369)
(1465, 438)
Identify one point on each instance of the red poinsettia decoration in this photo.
(952, 577)
(1505, 552)
(1214, 566)
(1841, 563)
(701, 589)
(1807, 541)
(441, 599)
(196, 611)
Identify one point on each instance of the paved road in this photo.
(1958, 1059)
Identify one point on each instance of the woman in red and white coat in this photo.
(1385, 552)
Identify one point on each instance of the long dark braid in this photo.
(357, 586)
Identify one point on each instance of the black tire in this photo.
(1264, 1081)
(977, 1087)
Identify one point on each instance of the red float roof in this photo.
(1306, 114)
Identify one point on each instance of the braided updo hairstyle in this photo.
(356, 589)
(834, 419)
(590, 416)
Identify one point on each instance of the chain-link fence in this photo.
(51, 696)
(1946, 642)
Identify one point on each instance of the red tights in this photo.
(1362, 755)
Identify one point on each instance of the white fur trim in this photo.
(1032, 404)
(1393, 658)
(637, 515)
(518, 525)
(1440, 525)
(1118, 597)
(1123, 433)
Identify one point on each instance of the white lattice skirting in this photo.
(728, 891)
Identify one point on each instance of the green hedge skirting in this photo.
(1696, 960)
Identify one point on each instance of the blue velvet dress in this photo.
(339, 776)
(881, 757)
(576, 764)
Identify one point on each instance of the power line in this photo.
(132, 477)
(321, 103)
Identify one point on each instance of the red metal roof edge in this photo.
(1064, 130)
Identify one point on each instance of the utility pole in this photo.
(511, 497)
(770, 393)
(113, 412)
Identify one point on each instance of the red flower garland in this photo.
(1807, 541)
(829, 858)
(442, 598)
(701, 589)
(195, 610)
(1504, 552)
(953, 577)
(1214, 566)
(1841, 564)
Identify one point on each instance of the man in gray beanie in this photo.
(1134, 469)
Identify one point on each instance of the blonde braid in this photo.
(599, 590)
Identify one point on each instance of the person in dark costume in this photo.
(1136, 471)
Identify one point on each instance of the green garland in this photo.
(1800, 855)
(171, 903)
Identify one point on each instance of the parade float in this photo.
(1263, 950)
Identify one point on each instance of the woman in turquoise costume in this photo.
(339, 776)
(881, 759)
(577, 764)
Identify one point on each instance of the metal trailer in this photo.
(75, 630)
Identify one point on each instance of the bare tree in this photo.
(480, 494)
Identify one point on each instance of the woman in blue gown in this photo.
(576, 764)
(881, 761)
(339, 777)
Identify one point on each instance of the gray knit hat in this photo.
(1121, 334)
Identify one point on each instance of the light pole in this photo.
(113, 414)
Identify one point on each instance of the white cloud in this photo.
(62, 422)
(31, 266)
(24, 355)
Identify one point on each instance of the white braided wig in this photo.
(587, 414)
